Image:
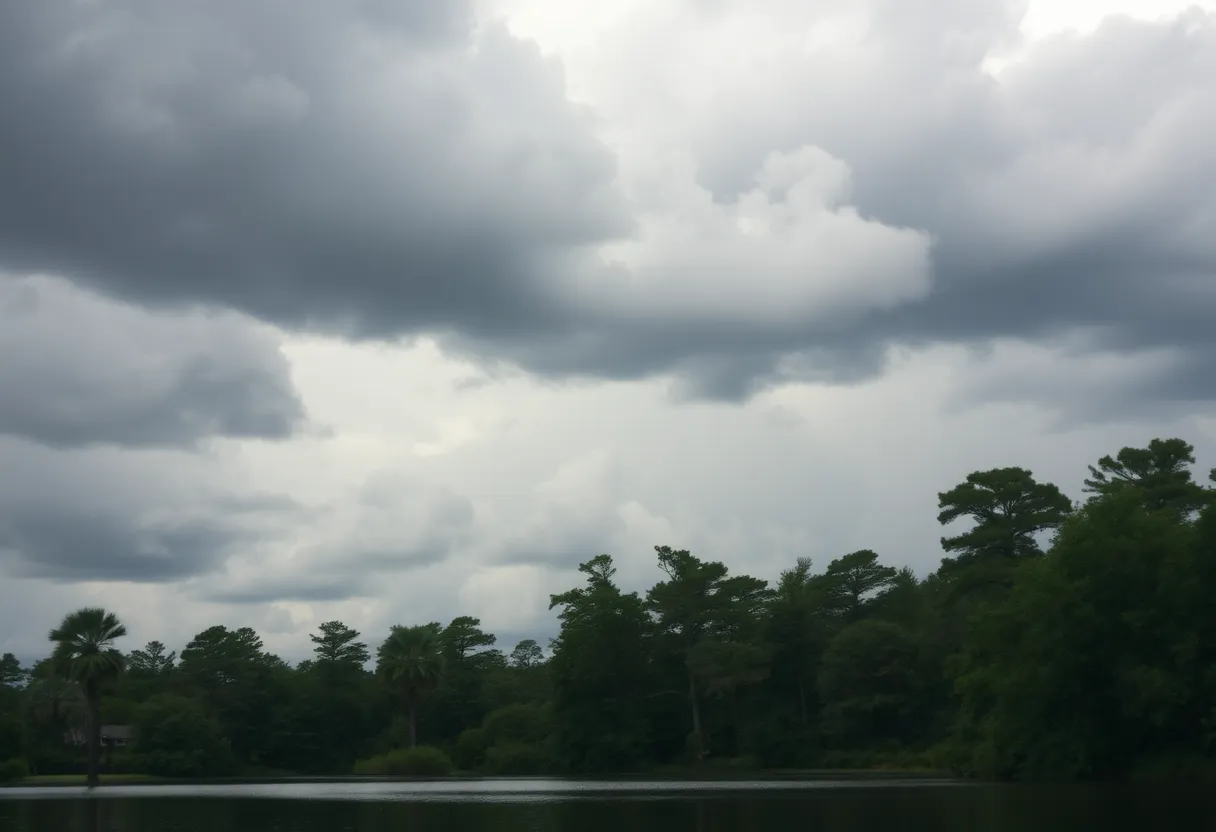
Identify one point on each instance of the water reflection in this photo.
(506, 789)
(678, 808)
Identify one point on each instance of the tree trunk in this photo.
(413, 724)
(696, 703)
(737, 716)
(94, 735)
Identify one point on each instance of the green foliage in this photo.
(1092, 661)
(152, 661)
(1010, 508)
(85, 653)
(798, 627)
(84, 646)
(1161, 473)
(411, 662)
(599, 666)
(420, 761)
(527, 654)
(518, 759)
(241, 685)
(12, 736)
(11, 674)
(463, 637)
(338, 644)
(703, 617)
(853, 580)
(14, 769)
(175, 738)
(470, 748)
(524, 723)
(869, 683)
(1174, 767)
(516, 739)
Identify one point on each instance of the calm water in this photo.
(565, 806)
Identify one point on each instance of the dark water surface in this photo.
(584, 806)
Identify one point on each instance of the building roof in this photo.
(117, 732)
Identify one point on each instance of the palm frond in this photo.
(84, 645)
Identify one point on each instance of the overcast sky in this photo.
(395, 311)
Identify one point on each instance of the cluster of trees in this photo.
(1056, 640)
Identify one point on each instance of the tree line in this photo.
(1057, 639)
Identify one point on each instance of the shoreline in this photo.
(689, 775)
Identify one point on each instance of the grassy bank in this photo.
(80, 780)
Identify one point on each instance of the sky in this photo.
(393, 312)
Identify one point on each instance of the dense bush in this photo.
(14, 769)
(522, 723)
(470, 748)
(1177, 767)
(892, 759)
(11, 737)
(422, 761)
(517, 758)
(511, 740)
(175, 738)
(786, 742)
(59, 762)
(123, 762)
(868, 683)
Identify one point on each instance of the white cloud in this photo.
(788, 252)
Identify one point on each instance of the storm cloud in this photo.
(79, 370)
(359, 170)
(353, 167)
(107, 515)
(393, 524)
(335, 172)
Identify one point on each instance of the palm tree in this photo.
(411, 660)
(85, 654)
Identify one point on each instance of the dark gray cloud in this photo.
(307, 588)
(395, 523)
(78, 370)
(351, 167)
(73, 515)
(47, 542)
(357, 168)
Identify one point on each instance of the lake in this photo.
(608, 806)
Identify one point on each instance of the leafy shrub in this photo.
(511, 740)
(879, 760)
(14, 769)
(517, 758)
(177, 764)
(785, 742)
(470, 749)
(11, 737)
(57, 762)
(746, 762)
(423, 761)
(123, 762)
(1174, 767)
(517, 724)
(175, 738)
